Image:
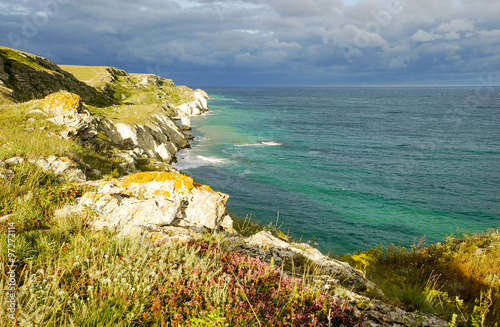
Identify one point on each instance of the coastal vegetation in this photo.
(67, 273)
(457, 279)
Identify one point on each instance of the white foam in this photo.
(248, 144)
(212, 160)
(272, 143)
(188, 160)
(266, 143)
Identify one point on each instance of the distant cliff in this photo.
(137, 110)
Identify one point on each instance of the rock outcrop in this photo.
(68, 110)
(150, 201)
(159, 137)
(66, 168)
(330, 274)
(268, 247)
(193, 108)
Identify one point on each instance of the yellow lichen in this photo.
(62, 101)
(164, 193)
(182, 183)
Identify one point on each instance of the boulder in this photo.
(150, 200)
(69, 110)
(62, 166)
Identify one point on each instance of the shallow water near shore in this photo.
(349, 168)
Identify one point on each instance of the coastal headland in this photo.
(108, 232)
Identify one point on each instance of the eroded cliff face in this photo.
(159, 138)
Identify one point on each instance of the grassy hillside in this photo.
(24, 77)
(107, 91)
(139, 95)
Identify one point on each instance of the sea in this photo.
(349, 168)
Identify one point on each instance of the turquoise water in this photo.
(350, 168)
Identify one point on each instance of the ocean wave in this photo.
(271, 143)
(212, 160)
(247, 144)
(265, 143)
(188, 160)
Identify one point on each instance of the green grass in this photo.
(69, 275)
(21, 57)
(458, 279)
(31, 136)
(141, 99)
(96, 76)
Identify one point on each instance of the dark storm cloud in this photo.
(285, 42)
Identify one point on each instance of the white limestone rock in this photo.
(62, 166)
(195, 107)
(159, 138)
(153, 200)
(14, 161)
(267, 246)
(69, 110)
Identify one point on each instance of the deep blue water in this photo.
(350, 168)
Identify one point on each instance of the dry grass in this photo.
(458, 279)
(96, 76)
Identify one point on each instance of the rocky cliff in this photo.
(131, 116)
(137, 111)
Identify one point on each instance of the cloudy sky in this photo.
(274, 42)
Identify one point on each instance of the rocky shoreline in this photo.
(165, 205)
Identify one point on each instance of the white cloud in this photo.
(312, 38)
(490, 33)
(451, 36)
(104, 29)
(456, 25)
(423, 36)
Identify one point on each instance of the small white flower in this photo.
(105, 281)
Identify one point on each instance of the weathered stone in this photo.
(67, 109)
(155, 235)
(158, 138)
(186, 123)
(14, 161)
(153, 199)
(267, 246)
(195, 107)
(62, 166)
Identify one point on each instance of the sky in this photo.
(267, 43)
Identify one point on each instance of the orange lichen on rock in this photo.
(182, 183)
(62, 101)
(164, 193)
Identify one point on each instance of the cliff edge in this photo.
(85, 152)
